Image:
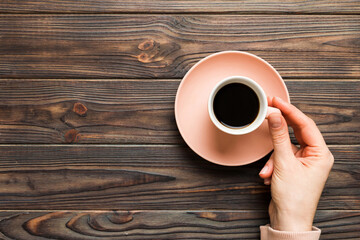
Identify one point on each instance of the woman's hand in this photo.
(297, 175)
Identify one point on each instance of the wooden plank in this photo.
(166, 46)
(149, 177)
(160, 224)
(142, 111)
(176, 6)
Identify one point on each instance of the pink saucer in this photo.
(192, 116)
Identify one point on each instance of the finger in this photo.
(267, 181)
(305, 129)
(268, 169)
(280, 137)
(269, 100)
(294, 148)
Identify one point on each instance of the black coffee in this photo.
(236, 105)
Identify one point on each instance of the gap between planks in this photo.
(177, 13)
(122, 145)
(146, 210)
(297, 79)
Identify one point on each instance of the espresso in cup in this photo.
(236, 105)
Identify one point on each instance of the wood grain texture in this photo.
(142, 111)
(166, 46)
(176, 6)
(160, 224)
(315, 53)
(149, 177)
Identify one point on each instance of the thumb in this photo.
(280, 136)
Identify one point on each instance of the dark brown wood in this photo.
(142, 111)
(166, 46)
(111, 78)
(149, 177)
(175, 6)
(160, 224)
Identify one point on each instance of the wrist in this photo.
(286, 221)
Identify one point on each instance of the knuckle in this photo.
(280, 137)
(331, 159)
(310, 121)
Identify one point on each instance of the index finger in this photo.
(305, 129)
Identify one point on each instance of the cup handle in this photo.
(271, 110)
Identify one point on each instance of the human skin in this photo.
(297, 175)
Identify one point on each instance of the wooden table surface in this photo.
(89, 148)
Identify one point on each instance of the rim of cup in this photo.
(262, 105)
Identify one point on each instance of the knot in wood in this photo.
(146, 45)
(71, 136)
(143, 57)
(80, 109)
(121, 217)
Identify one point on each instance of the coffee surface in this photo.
(236, 105)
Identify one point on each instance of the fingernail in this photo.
(275, 121)
(267, 181)
(264, 170)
